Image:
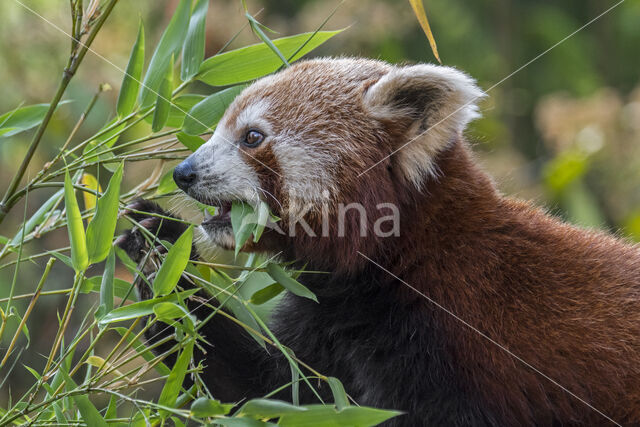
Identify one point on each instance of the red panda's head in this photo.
(302, 139)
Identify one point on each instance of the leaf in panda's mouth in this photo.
(247, 220)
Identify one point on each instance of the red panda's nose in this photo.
(184, 174)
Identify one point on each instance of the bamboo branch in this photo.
(72, 66)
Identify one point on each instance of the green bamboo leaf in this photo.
(112, 409)
(190, 141)
(90, 415)
(65, 259)
(23, 118)
(339, 395)
(13, 313)
(204, 407)
(265, 408)
(243, 422)
(255, 26)
(243, 222)
(174, 382)
(180, 106)
(174, 264)
(142, 308)
(279, 275)
(163, 103)
(106, 286)
(33, 372)
(131, 81)
(322, 415)
(251, 62)
(263, 217)
(239, 310)
(193, 50)
(166, 184)
(168, 311)
(37, 217)
(170, 44)
(103, 224)
(266, 294)
(205, 114)
(121, 288)
(75, 227)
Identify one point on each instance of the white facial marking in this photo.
(254, 117)
(223, 174)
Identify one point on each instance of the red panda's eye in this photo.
(253, 138)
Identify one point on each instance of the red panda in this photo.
(470, 308)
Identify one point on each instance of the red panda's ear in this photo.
(433, 103)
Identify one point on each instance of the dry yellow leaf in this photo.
(418, 9)
(90, 182)
(101, 364)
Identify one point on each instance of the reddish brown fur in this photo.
(564, 299)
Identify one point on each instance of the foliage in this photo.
(83, 380)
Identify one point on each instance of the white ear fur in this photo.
(438, 101)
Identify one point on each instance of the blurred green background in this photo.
(563, 130)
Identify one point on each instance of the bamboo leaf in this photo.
(265, 408)
(106, 286)
(169, 311)
(112, 409)
(263, 217)
(180, 106)
(266, 294)
(37, 217)
(99, 362)
(418, 9)
(193, 50)
(339, 395)
(170, 44)
(251, 62)
(190, 141)
(323, 415)
(255, 26)
(166, 184)
(75, 227)
(204, 407)
(131, 81)
(243, 222)
(205, 114)
(163, 103)
(23, 118)
(142, 308)
(174, 264)
(176, 377)
(239, 310)
(88, 411)
(103, 225)
(120, 287)
(279, 275)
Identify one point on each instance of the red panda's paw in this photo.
(158, 225)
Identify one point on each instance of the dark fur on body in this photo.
(563, 299)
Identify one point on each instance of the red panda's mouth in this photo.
(223, 214)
